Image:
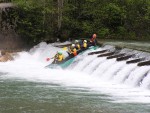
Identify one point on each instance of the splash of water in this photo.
(95, 73)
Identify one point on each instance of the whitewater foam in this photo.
(29, 66)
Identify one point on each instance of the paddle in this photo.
(64, 48)
(48, 59)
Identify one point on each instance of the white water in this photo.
(125, 83)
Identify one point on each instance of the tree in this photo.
(46, 20)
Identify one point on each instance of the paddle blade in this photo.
(47, 59)
(64, 48)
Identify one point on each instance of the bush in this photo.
(103, 32)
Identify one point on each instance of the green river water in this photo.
(21, 96)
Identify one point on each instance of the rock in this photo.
(5, 56)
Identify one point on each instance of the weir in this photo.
(124, 57)
(106, 54)
(135, 60)
(119, 66)
(97, 52)
(144, 63)
(116, 56)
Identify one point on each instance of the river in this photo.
(87, 86)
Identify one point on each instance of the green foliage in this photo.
(127, 19)
(113, 16)
(35, 20)
(104, 32)
(28, 25)
(87, 27)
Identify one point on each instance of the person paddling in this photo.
(84, 46)
(73, 50)
(77, 45)
(58, 58)
(93, 40)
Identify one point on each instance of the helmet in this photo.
(76, 41)
(94, 35)
(85, 41)
(60, 53)
(73, 45)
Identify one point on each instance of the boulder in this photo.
(6, 56)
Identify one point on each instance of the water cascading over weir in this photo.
(9, 40)
(125, 66)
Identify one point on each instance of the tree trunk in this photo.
(44, 17)
(60, 7)
(0, 20)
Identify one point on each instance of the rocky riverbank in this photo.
(6, 56)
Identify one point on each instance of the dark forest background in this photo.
(47, 20)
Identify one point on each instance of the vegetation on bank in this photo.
(47, 20)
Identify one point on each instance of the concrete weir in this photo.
(124, 58)
(97, 52)
(106, 54)
(144, 63)
(135, 60)
(125, 55)
(115, 56)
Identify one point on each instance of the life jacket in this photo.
(78, 46)
(93, 39)
(56, 56)
(74, 51)
(60, 58)
(84, 44)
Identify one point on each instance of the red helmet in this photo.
(94, 35)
